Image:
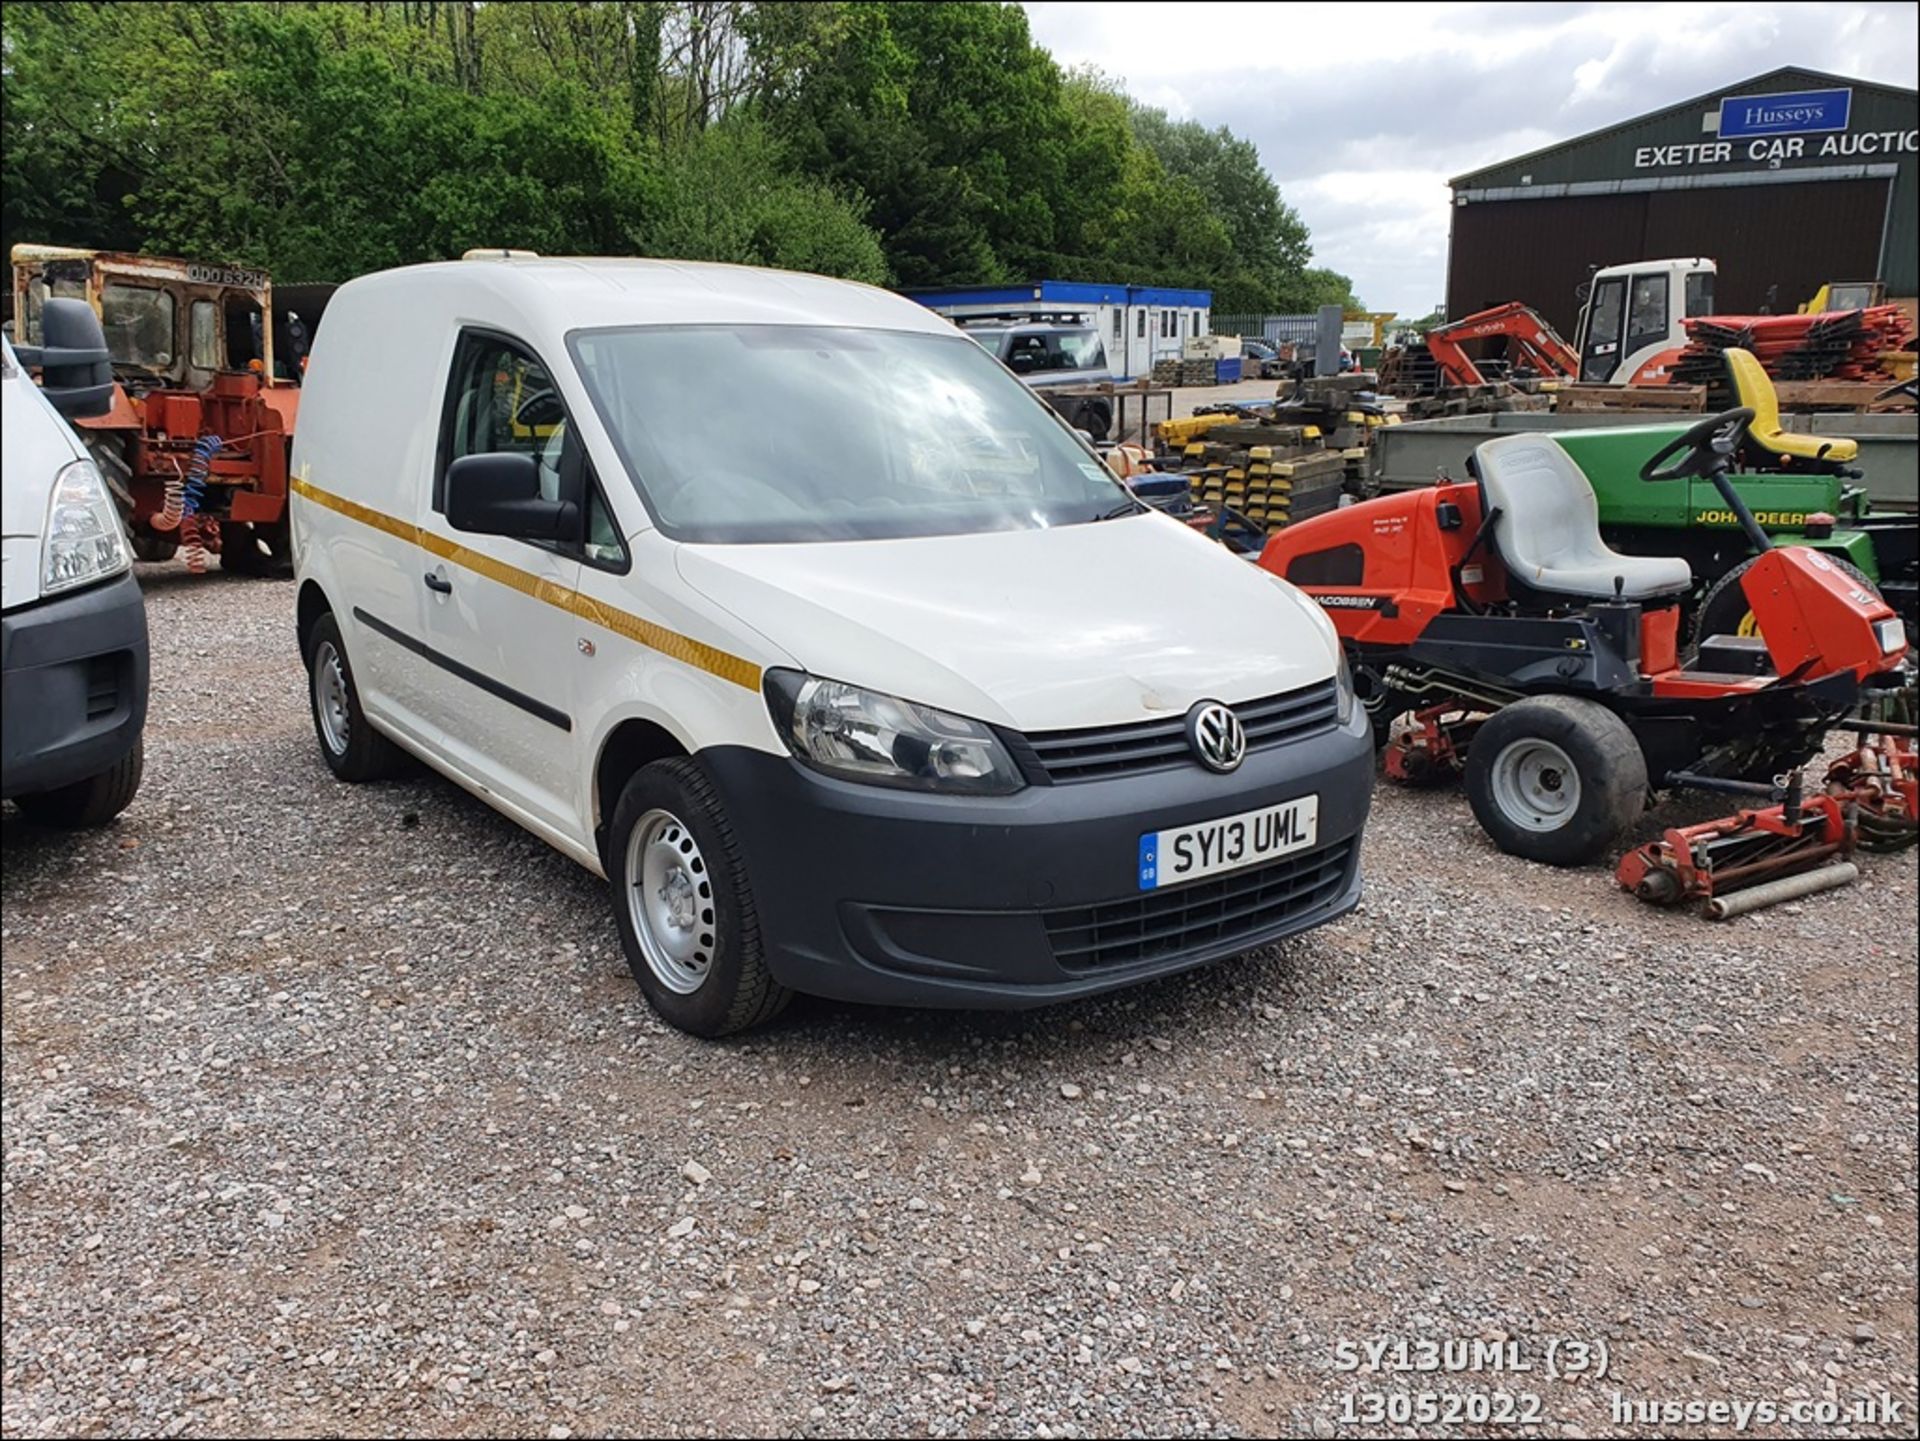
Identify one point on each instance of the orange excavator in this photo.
(1530, 340)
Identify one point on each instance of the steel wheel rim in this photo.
(330, 698)
(670, 901)
(1536, 785)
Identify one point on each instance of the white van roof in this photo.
(573, 292)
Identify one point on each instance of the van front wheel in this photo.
(685, 910)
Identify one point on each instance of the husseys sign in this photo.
(1792, 125)
(1799, 112)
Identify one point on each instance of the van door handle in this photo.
(438, 583)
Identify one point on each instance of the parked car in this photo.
(1261, 360)
(1050, 353)
(73, 628)
(861, 699)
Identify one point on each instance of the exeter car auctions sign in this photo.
(1800, 112)
(1765, 150)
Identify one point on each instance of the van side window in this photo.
(501, 398)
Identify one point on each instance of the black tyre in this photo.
(351, 747)
(111, 454)
(1723, 610)
(684, 906)
(151, 546)
(1097, 420)
(91, 802)
(262, 550)
(1555, 779)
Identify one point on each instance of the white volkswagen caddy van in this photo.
(784, 606)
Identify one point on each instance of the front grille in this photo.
(103, 686)
(1094, 754)
(1157, 924)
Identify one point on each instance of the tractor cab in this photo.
(1630, 320)
(170, 324)
(1846, 295)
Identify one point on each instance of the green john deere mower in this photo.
(1795, 485)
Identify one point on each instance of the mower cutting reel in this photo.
(1870, 800)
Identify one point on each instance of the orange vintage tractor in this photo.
(207, 376)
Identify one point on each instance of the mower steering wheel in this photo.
(1699, 441)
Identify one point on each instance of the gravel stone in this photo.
(263, 994)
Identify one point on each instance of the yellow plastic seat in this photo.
(1754, 389)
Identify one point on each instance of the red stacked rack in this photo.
(1832, 345)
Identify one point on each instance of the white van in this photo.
(787, 608)
(73, 626)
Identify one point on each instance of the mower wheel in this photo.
(1555, 779)
(1723, 610)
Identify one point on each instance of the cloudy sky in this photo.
(1363, 111)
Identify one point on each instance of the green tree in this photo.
(1317, 286)
(933, 143)
(949, 120)
(728, 194)
(1268, 234)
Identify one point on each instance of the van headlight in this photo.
(1343, 689)
(863, 735)
(82, 541)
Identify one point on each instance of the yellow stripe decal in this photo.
(682, 648)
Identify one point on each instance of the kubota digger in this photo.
(1548, 666)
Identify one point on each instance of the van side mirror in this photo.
(76, 372)
(499, 494)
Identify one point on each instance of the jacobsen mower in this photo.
(1548, 667)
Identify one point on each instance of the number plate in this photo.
(1232, 843)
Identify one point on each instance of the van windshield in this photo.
(758, 433)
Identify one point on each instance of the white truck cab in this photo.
(1630, 325)
(785, 607)
(73, 627)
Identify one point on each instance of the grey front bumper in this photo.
(73, 686)
(871, 894)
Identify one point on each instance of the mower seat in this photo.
(1548, 532)
(1775, 447)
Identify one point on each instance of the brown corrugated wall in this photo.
(1792, 238)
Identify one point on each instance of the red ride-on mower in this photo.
(1546, 665)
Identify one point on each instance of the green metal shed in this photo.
(1789, 180)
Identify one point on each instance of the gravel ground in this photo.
(333, 1109)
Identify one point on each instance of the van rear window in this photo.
(767, 433)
